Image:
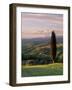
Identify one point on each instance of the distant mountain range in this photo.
(46, 40)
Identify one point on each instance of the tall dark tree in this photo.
(53, 46)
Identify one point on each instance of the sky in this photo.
(36, 25)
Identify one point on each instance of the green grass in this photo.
(42, 70)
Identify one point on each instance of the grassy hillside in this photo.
(36, 58)
(42, 70)
(40, 54)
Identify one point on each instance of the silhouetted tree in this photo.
(53, 46)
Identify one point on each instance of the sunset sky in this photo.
(41, 25)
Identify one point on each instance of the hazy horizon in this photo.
(41, 25)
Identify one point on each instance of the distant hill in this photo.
(38, 50)
(46, 40)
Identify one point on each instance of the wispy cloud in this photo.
(40, 25)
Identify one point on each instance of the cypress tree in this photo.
(53, 46)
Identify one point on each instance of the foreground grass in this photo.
(42, 70)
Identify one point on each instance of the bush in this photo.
(59, 58)
(30, 62)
